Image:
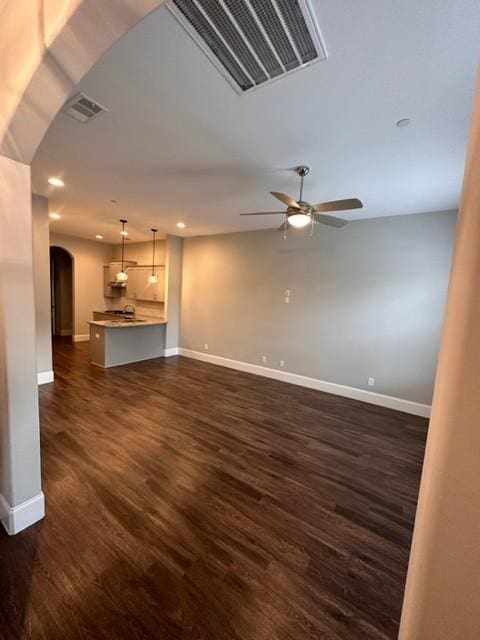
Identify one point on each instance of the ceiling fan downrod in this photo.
(302, 170)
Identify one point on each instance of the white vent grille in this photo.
(83, 108)
(252, 42)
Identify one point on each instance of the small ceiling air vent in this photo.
(253, 42)
(83, 108)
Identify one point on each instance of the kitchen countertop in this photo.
(120, 323)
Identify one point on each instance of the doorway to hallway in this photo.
(61, 287)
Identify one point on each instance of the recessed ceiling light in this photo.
(181, 225)
(99, 237)
(56, 182)
(54, 215)
(404, 122)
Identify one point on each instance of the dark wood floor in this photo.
(186, 500)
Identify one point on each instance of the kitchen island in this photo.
(119, 341)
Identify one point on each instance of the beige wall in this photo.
(366, 300)
(88, 260)
(141, 252)
(442, 597)
(41, 238)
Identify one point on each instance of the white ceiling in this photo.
(179, 144)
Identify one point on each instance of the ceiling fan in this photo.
(300, 213)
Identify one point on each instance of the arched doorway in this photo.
(48, 47)
(61, 292)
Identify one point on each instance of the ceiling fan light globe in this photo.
(122, 276)
(153, 279)
(299, 220)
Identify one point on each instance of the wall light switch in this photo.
(282, 363)
(287, 299)
(371, 382)
(287, 293)
(264, 359)
(205, 346)
(97, 336)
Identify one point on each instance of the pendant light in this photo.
(153, 279)
(122, 275)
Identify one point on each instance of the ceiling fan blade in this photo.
(330, 221)
(265, 213)
(290, 202)
(338, 205)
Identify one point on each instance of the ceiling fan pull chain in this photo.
(285, 228)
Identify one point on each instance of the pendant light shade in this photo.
(153, 278)
(122, 276)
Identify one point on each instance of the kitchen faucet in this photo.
(129, 308)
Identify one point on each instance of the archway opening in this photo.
(61, 287)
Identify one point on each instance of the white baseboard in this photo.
(81, 337)
(173, 351)
(415, 408)
(44, 377)
(16, 519)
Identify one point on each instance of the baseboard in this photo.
(16, 519)
(415, 408)
(44, 377)
(81, 337)
(65, 332)
(173, 351)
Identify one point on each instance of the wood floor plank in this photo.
(186, 500)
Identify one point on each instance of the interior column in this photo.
(442, 598)
(21, 498)
(173, 276)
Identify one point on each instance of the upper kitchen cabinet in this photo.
(140, 288)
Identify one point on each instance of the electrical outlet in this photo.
(282, 363)
(371, 382)
(205, 346)
(287, 299)
(264, 359)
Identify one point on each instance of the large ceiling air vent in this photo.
(252, 42)
(83, 108)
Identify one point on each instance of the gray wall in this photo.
(41, 260)
(366, 300)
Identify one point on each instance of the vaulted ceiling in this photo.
(178, 143)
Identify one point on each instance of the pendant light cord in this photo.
(123, 244)
(154, 231)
